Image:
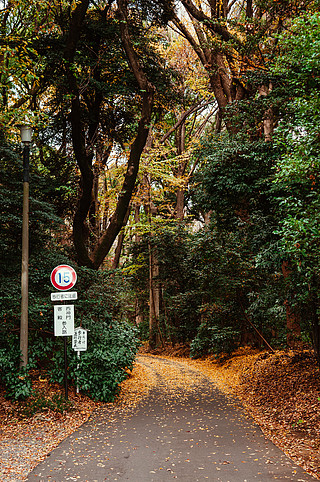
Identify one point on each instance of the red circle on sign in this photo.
(63, 277)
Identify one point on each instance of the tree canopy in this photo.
(175, 162)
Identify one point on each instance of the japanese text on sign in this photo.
(70, 295)
(63, 320)
(79, 339)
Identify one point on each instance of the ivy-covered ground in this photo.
(281, 390)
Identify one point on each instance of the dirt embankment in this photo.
(282, 391)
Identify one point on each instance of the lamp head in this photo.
(26, 134)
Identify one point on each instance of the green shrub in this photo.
(15, 380)
(99, 371)
(214, 340)
(39, 402)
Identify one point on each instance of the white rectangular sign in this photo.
(63, 320)
(69, 295)
(79, 339)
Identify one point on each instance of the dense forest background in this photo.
(174, 164)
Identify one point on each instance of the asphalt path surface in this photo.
(184, 429)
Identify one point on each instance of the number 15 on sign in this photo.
(63, 277)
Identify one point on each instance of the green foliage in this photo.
(156, 12)
(266, 307)
(241, 247)
(111, 95)
(38, 402)
(204, 280)
(99, 371)
(236, 177)
(297, 171)
(298, 60)
(16, 382)
(214, 339)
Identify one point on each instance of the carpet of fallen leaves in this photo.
(26, 439)
(281, 390)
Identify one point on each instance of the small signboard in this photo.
(63, 320)
(63, 277)
(70, 295)
(79, 339)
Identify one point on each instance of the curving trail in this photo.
(182, 428)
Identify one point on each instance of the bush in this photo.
(111, 351)
(15, 380)
(112, 344)
(214, 340)
(39, 402)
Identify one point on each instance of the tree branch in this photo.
(78, 137)
(183, 117)
(185, 32)
(117, 220)
(212, 25)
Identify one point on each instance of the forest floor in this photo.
(281, 390)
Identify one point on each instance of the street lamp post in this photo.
(26, 136)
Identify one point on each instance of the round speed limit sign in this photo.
(63, 277)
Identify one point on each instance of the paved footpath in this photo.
(178, 432)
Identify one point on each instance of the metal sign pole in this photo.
(63, 278)
(65, 368)
(79, 344)
(78, 353)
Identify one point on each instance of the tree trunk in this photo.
(181, 146)
(80, 230)
(268, 121)
(147, 89)
(154, 298)
(82, 152)
(179, 210)
(139, 315)
(139, 318)
(121, 236)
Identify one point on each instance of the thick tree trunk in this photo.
(117, 220)
(179, 210)
(84, 159)
(84, 156)
(147, 89)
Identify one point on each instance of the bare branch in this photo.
(185, 32)
(212, 25)
(184, 116)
